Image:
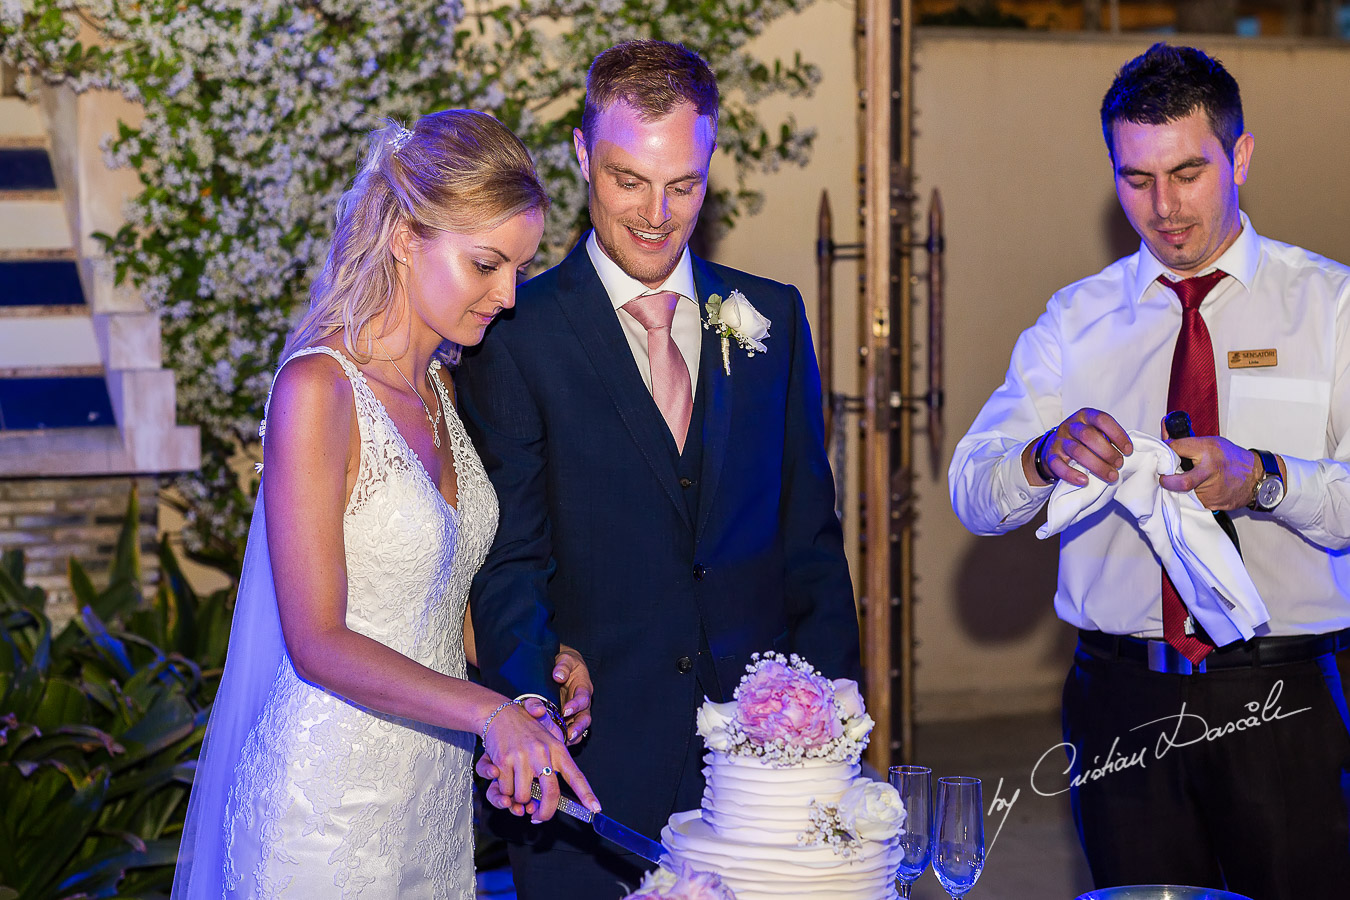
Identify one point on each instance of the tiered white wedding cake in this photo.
(785, 812)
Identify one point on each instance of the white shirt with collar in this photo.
(622, 287)
(1106, 342)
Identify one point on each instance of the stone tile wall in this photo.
(53, 519)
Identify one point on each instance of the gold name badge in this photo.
(1251, 359)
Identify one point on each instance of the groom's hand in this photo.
(574, 679)
(494, 795)
(486, 768)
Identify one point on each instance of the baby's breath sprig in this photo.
(827, 829)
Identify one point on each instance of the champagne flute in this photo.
(958, 843)
(916, 842)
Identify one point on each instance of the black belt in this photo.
(1160, 656)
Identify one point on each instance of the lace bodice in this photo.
(331, 799)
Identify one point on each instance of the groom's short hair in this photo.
(653, 77)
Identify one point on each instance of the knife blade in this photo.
(609, 829)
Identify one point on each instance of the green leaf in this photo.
(11, 566)
(62, 703)
(100, 875)
(11, 659)
(120, 598)
(217, 612)
(109, 648)
(14, 591)
(179, 598)
(62, 828)
(26, 692)
(171, 718)
(126, 561)
(146, 677)
(99, 687)
(15, 736)
(80, 584)
(143, 780)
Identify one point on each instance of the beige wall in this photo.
(1007, 129)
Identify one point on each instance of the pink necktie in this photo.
(671, 388)
(1193, 388)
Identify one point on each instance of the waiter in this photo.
(1239, 756)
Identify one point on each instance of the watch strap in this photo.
(1271, 466)
(1269, 463)
(1039, 460)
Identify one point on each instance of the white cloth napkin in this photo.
(1202, 561)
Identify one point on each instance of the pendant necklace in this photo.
(434, 420)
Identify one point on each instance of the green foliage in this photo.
(100, 726)
(255, 116)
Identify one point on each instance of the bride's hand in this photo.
(522, 750)
(486, 768)
(570, 672)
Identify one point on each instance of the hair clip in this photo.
(400, 139)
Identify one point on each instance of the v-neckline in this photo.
(407, 448)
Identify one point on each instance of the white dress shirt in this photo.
(623, 287)
(1106, 342)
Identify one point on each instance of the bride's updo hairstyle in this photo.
(457, 170)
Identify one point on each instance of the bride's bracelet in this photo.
(488, 723)
(553, 712)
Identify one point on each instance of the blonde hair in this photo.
(457, 170)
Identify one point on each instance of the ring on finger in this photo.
(545, 771)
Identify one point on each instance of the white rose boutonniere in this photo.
(735, 319)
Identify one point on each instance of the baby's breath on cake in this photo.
(827, 829)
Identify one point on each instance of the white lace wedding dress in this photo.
(329, 800)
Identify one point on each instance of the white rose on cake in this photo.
(713, 722)
(858, 728)
(857, 723)
(847, 698)
(872, 811)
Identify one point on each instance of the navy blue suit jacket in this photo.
(597, 546)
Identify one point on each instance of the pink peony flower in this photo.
(779, 702)
(684, 883)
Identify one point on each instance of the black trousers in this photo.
(1235, 778)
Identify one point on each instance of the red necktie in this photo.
(1193, 388)
(671, 388)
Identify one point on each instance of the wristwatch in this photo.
(1270, 488)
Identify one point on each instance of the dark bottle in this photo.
(1178, 425)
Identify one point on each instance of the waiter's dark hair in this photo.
(1168, 83)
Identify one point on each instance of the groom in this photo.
(666, 510)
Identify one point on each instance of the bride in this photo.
(337, 758)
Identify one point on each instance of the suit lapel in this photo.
(717, 411)
(587, 307)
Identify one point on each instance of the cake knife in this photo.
(609, 829)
